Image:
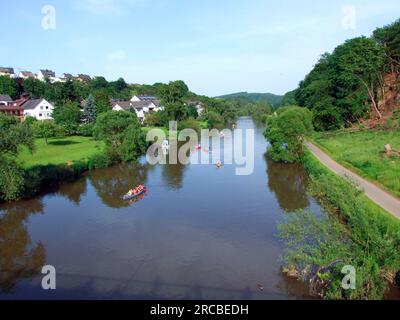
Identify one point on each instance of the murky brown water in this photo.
(200, 233)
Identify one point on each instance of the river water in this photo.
(199, 233)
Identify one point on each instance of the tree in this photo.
(175, 111)
(192, 112)
(13, 136)
(261, 110)
(174, 92)
(285, 132)
(8, 86)
(119, 85)
(389, 38)
(90, 110)
(99, 83)
(68, 116)
(47, 129)
(359, 62)
(102, 101)
(111, 126)
(134, 143)
(34, 87)
(214, 120)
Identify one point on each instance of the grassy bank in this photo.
(60, 151)
(363, 153)
(352, 231)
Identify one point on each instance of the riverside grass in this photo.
(362, 152)
(352, 230)
(60, 151)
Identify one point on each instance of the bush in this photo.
(86, 130)
(100, 160)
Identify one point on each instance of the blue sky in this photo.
(216, 47)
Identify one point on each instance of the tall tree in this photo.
(174, 92)
(90, 110)
(8, 86)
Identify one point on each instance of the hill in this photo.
(254, 97)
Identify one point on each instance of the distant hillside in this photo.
(254, 97)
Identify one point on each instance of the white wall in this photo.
(43, 111)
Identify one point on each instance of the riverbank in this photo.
(352, 231)
(363, 153)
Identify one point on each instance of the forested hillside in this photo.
(357, 84)
(245, 97)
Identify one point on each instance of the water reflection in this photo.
(74, 191)
(112, 183)
(289, 183)
(18, 257)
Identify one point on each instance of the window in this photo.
(40, 114)
(41, 107)
(47, 108)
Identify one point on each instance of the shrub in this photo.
(100, 160)
(86, 130)
(353, 232)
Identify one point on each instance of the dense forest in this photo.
(357, 83)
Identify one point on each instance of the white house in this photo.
(140, 108)
(26, 75)
(144, 98)
(40, 109)
(9, 72)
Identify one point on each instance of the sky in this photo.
(216, 47)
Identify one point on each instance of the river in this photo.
(199, 233)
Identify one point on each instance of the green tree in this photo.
(68, 116)
(174, 92)
(134, 143)
(111, 126)
(13, 136)
(90, 110)
(34, 87)
(47, 129)
(99, 83)
(359, 63)
(8, 86)
(389, 38)
(214, 120)
(261, 110)
(175, 111)
(102, 101)
(119, 85)
(285, 132)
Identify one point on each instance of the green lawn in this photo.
(60, 151)
(363, 152)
